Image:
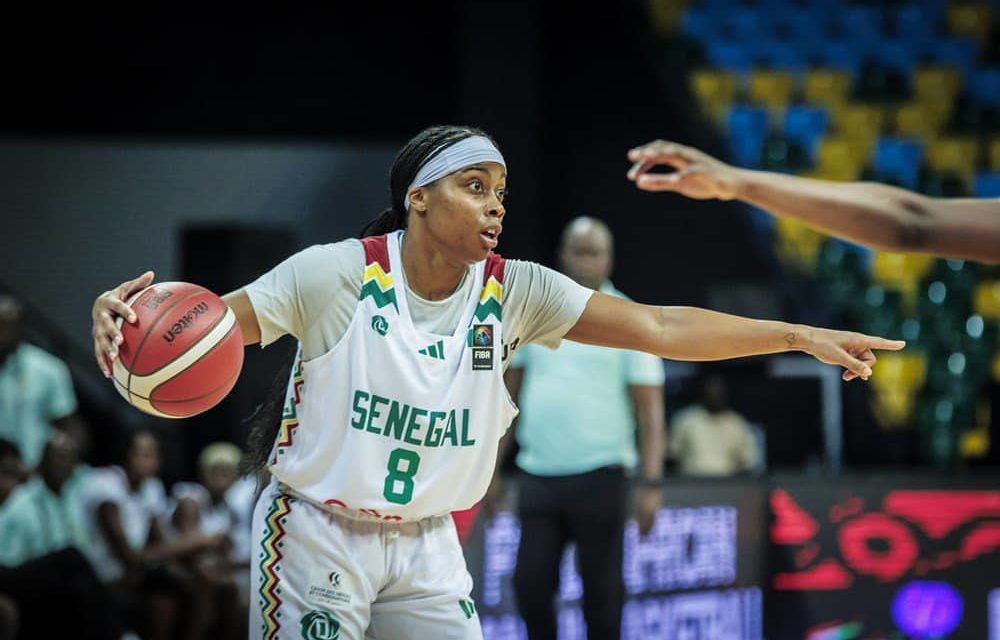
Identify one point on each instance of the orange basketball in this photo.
(182, 355)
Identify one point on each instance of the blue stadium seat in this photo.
(839, 54)
(987, 185)
(805, 125)
(802, 24)
(984, 85)
(898, 159)
(860, 23)
(898, 54)
(781, 54)
(722, 5)
(733, 56)
(700, 24)
(747, 128)
(746, 24)
(917, 20)
(954, 52)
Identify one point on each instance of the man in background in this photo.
(710, 439)
(580, 406)
(36, 392)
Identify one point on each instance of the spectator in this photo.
(711, 439)
(222, 504)
(39, 517)
(125, 509)
(41, 541)
(36, 392)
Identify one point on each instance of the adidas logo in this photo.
(435, 350)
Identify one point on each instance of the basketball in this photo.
(182, 355)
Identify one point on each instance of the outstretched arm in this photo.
(689, 333)
(874, 214)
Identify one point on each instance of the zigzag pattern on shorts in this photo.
(270, 594)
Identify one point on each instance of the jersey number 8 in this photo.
(403, 465)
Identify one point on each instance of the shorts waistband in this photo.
(356, 516)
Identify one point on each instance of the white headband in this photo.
(452, 158)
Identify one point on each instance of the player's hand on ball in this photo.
(853, 351)
(696, 174)
(109, 306)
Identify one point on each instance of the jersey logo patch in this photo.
(435, 350)
(481, 341)
(320, 625)
(380, 325)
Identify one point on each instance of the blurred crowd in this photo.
(109, 552)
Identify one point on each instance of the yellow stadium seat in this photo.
(715, 91)
(892, 406)
(995, 368)
(914, 120)
(772, 89)
(713, 87)
(933, 84)
(995, 154)
(858, 120)
(901, 369)
(970, 20)
(938, 112)
(902, 272)
(837, 173)
(974, 443)
(665, 15)
(827, 87)
(957, 155)
(797, 244)
(986, 299)
(900, 375)
(841, 158)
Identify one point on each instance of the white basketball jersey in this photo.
(395, 422)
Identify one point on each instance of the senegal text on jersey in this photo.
(391, 418)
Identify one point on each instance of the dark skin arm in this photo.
(877, 215)
(649, 413)
(690, 333)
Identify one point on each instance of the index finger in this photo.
(659, 150)
(126, 289)
(875, 342)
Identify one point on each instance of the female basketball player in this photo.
(397, 401)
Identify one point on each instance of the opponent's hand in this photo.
(697, 175)
(853, 351)
(109, 306)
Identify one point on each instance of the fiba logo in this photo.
(320, 625)
(482, 335)
(380, 325)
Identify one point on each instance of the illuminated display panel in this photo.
(883, 558)
(698, 573)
